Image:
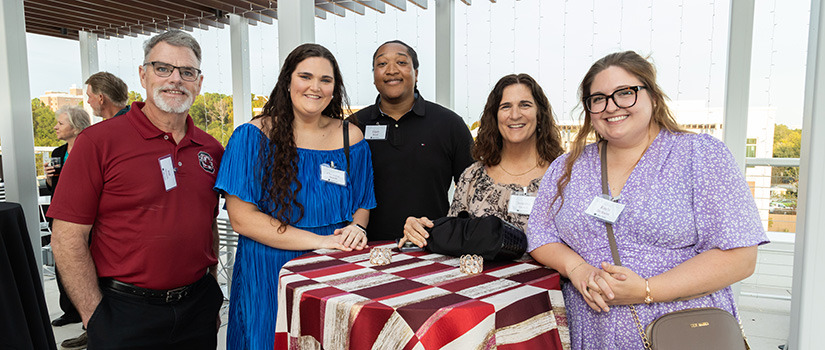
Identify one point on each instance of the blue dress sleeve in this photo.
(363, 190)
(725, 211)
(237, 175)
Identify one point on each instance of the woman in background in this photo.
(70, 121)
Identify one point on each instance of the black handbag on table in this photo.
(488, 236)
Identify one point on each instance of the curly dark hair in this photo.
(488, 144)
(278, 158)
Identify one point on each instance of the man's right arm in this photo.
(72, 256)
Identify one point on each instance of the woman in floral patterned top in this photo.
(517, 140)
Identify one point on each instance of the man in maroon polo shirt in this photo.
(141, 184)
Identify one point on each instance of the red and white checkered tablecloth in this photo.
(337, 300)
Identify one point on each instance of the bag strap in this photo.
(617, 261)
(614, 249)
(346, 142)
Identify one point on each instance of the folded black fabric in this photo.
(488, 236)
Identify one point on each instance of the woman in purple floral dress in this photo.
(689, 227)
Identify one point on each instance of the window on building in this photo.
(750, 148)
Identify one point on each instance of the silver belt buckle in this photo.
(176, 294)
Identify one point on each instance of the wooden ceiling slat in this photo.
(109, 21)
(117, 15)
(65, 22)
(52, 32)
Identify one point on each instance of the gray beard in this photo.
(165, 106)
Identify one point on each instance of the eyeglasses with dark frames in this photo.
(164, 70)
(622, 98)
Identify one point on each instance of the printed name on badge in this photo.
(375, 132)
(521, 203)
(332, 175)
(604, 209)
(167, 171)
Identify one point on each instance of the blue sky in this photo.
(554, 41)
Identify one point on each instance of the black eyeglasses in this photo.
(623, 98)
(164, 70)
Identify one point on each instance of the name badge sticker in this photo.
(375, 132)
(332, 175)
(604, 209)
(167, 170)
(521, 203)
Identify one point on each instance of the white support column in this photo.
(445, 53)
(296, 25)
(241, 83)
(16, 127)
(737, 81)
(807, 305)
(88, 65)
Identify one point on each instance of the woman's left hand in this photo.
(627, 286)
(352, 236)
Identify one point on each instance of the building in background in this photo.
(57, 99)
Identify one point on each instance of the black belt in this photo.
(156, 295)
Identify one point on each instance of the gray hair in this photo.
(174, 38)
(78, 118)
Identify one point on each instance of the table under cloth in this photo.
(337, 300)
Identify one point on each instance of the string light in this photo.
(538, 57)
(467, 59)
(679, 52)
(513, 31)
(593, 27)
(773, 51)
(621, 22)
(650, 20)
(710, 58)
(490, 43)
(564, 60)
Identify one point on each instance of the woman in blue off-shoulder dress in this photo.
(291, 186)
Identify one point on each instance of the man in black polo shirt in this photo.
(417, 146)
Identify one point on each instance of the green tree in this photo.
(43, 120)
(134, 96)
(787, 143)
(212, 112)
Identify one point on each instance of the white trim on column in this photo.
(737, 80)
(241, 81)
(89, 64)
(807, 305)
(16, 120)
(296, 25)
(445, 53)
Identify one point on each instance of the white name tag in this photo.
(332, 175)
(376, 132)
(521, 203)
(604, 209)
(167, 170)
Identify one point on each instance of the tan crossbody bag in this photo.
(700, 328)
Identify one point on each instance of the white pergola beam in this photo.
(241, 81)
(320, 13)
(296, 25)
(331, 8)
(420, 3)
(398, 4)
(737, 80)
(350, 5)
(807, 305)
(88, 65)
(19, 175)
(445, 53)
(373, 4)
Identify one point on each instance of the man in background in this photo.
(107, 95)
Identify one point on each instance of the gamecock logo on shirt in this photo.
(206, 162)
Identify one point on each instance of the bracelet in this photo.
(574, 269)
(648, 298)
(362, 228)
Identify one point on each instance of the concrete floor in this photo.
(766, 321)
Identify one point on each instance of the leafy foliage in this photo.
(787, 143)
(43, 120)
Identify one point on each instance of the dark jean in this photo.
(124, 321)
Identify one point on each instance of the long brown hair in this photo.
(488, 144)
(278, 157)
(643, 70)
